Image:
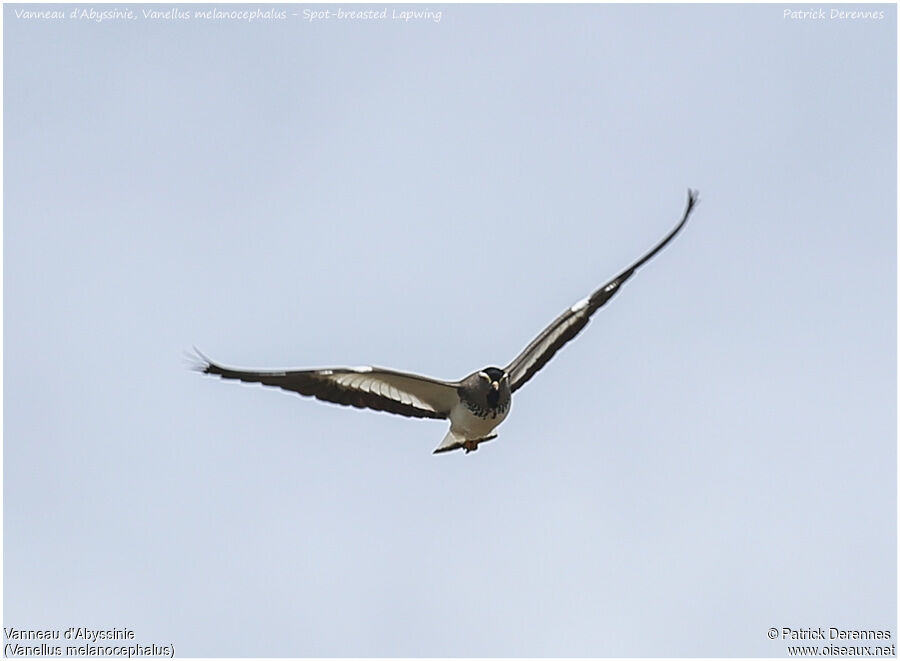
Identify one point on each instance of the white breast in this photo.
(465, 423)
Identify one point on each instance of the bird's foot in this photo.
(472, 445)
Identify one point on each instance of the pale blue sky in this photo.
(714, 455)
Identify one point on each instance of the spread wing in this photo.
(363, 387)
(569, 323)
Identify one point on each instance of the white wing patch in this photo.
(581, 305)
(361, 381)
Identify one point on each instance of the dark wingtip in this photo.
(693, 199)
(198, 362)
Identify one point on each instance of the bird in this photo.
(474, 405)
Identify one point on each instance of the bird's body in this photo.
(475, 405)
(477, 414)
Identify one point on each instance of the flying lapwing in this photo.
(475, 405)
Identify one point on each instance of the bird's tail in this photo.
(452, 441)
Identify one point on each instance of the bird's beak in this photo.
(495, 385)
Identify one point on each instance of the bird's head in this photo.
(494, 383)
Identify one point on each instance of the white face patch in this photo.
(581, 305)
